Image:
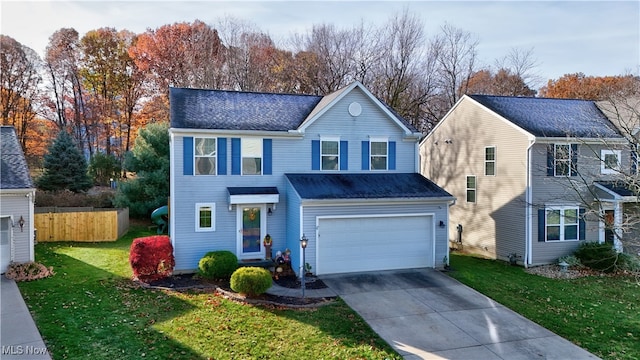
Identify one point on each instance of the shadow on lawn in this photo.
(86, 312)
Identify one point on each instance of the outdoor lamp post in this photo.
(303, 244)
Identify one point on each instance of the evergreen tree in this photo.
(149, 159)
(64, 166)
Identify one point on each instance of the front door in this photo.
(5, 243)
(252, 223)
(609, 233)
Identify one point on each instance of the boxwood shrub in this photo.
(218, 264)
(251, 280)
(598, 256)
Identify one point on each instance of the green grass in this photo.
(91, 310)
(600, 314)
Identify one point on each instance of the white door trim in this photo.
(263, 231)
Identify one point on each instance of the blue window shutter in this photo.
(582, 226)
(365, 155)
(550, 149)
(222, 156)
(634, 159)
(187, 152)
(315, 154)
(392, 155)
(344, 155)
(267, 154)
(541, 225)
(235, 156)
(574, 159)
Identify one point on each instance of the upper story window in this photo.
(610, 161)
(471, 189)
(562, 160)
(330, 153)
(379, 154)
(490, 160)
(251, 156)
(205, 156)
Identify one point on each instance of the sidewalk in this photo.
(19, 336)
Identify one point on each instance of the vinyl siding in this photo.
(551, 190)
(495, 224)
(17, 205)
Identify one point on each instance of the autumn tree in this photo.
(19, 80)
(64, 166)
(581, 86)
(503, 82)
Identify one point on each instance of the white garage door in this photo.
(353, 244)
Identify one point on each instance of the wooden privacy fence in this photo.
(88, 226)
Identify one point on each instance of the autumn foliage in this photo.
(151, 258)
(580, 86)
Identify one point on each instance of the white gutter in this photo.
(528, 258)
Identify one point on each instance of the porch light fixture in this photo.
(269, 212)
(21, 223)
(442, 225)
(304, 241)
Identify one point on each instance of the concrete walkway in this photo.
(424, 314)
(19, 336)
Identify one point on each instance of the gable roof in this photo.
(365, 186)
(545, 117)
(238, 110)
(14, 173)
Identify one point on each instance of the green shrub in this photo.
(251, 280)
(629, 262)
(218, 264)
(572, 260)
(598, 256)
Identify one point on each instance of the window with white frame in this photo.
(251, 156)
(490, 160)
(610, 161)
(330, 153)
(379, 152)
(205, 156)
(562, 223)
(471, 189)
(205, 217)
(562, 159)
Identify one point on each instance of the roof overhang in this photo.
(385, 201)
(222, 132)
(17, 191)
(614, 195)
(575, 139)
(253, 195)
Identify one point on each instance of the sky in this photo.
(597, 38)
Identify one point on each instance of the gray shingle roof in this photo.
(619, 188)
(14, 173)
(546, 117)
(234, 110)
(365, 186)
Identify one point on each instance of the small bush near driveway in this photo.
(251, 280)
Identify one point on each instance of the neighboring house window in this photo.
(562, 223)
(379, 153)
(471, 189)
(251, 156)
(562, 160)
(610, 161)
(205, 156)
(490, 161)
(205, 217)
(330, 153)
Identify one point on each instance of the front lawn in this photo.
(91, 309)
(600, 314)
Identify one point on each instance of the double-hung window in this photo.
(490, 160)
(205, 156)
(562, 223)
(205, 217)
(610, 161)
(330, 153)
(251, 156)
(471, 189)
(379, 153)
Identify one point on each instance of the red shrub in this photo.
(151, 257)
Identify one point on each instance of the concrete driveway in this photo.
(424, 314)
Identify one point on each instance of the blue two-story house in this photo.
(340, 170)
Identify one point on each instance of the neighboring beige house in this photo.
(17, 194)
(522, 170)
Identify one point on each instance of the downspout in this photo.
(529, 208)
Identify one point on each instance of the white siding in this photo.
(16, 205)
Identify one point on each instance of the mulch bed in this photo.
(190, 282)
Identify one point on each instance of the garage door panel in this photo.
(374, 243)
